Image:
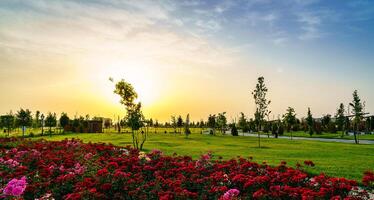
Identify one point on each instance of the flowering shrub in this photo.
(70, 169)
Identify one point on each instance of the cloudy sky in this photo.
(196, 57)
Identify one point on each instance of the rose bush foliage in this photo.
(71, 169)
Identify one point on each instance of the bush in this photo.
(70, 169)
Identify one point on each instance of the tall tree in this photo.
(357, 108)
(134, 116)
(222, 121)
(24, 119)
(64, 121)
(51, 121)
(262, 111)
(309, 122)
(289, 119)
(340, 118)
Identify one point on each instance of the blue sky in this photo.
(312, 53)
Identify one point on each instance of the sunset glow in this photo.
(197, 57)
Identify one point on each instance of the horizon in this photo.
(196, 57)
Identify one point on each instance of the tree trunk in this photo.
(259, 140)
(23, 131)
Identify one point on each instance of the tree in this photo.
(357, 108)
(51, 121)
(326, 120)
(242, 123)
(340, 118)
(37, 119)
(42, 122)
(180, 123)
(187, 130)
(212, 123)
(234, 130)
(7, 121)
(289, 119)
(64, 121)
(221, 121)
(134, 116)
(262, 111)
(174, 123)
(24, 119)
(310, 122)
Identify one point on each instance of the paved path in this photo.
(315, 139)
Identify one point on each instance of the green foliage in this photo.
(64, 120)
(8, 122)
(234, 130)
(310, 122)
(134, 117)
(24, 119)
(187, 130)
(243, 123)
(51, 121)
(357, 108)
(259, 95)
(221, 121)
(289, 118)
(212, 123)
(262, 111)
(340, 118)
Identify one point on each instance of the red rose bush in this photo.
(71, 169)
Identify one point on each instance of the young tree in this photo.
(357, 108)
(180, 123)
(212, 123)
(221, 121)
(310, 122)
(134, 116)
(64, 121)
(187, 130)
(51, 121)
(24, 119)
(289, 119)
(340, 118)
(262, 111)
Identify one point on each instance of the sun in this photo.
(141, 77)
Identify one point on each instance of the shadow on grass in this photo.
(262, 147)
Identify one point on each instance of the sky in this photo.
(197, 57)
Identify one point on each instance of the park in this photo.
(189, 99)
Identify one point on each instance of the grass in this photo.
(334, 159)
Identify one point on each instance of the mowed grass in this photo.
(331, 158)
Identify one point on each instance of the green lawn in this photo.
(335, 159)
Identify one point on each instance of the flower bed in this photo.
(71, 169)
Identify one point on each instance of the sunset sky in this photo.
(197, 57)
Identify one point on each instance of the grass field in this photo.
(335, 159)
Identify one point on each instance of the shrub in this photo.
(70, 169)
